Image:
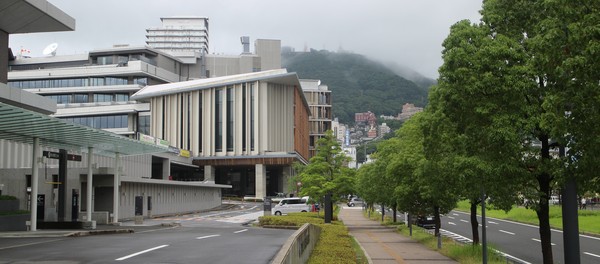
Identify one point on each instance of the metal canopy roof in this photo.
(21, 125)
(29, 16)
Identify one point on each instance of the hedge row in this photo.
(334, 244)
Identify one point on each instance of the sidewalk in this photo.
(383, 245)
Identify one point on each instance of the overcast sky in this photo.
(407, 32)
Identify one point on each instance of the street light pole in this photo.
(483, 228)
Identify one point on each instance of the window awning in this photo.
(21, 125)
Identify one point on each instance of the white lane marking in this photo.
(458, 237)
(482, 226)
(462, 220)
(506, 232)
(593, 255)
(534, 239)
(203, 237)
(451, 217)
(450, 223)
(141, 252)
(454, 214)
(492, 222)
(517, 223)
(240, 231)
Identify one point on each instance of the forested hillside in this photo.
(357, 83)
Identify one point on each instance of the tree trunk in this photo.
(382, 212)
(438, 225)
(474, 223)
(394, 212)
(543, 210)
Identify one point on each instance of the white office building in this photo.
(180, 36)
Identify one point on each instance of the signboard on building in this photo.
(146, 138)
(184, 153)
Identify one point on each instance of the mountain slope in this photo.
(357, 83)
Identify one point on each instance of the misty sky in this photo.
(407, 32)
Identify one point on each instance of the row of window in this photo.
(84, 98)
(76, 82)
(100, 122)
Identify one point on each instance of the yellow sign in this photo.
(184, 153)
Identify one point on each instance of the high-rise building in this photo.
(318, 97)
(180, 36)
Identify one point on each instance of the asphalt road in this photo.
(213, 237)
(519, 240)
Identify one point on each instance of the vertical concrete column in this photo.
(166, 169)
(4, 57)
(116, 189)
(88, 208)
(261, 180)
(34, 182)
(209, 173)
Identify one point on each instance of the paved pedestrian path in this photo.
(383, 245)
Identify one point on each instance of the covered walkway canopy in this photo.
(25, 126)
(21, 125)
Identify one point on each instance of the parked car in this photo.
(355, 201)
(291, 205)
(426, 221)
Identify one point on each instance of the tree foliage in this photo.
(327, 171)
(357, 83)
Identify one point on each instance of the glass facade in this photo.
(230, 118)
(73, 82)
(144, 124)
(219, 120)
(100, 122)
(84, 98)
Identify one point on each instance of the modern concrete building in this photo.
(110, 173)
(266, 56)
(93, 89)
(318, 97)
(180, 36)
(244, 130)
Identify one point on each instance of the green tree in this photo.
(327, 172)
(526, 75)
(425, 184)
(474, 103)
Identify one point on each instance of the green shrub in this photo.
(20, 212)
(7, 197)
(334, 244)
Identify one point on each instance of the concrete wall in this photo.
(298, 247)
(3, 56)
(167, 199)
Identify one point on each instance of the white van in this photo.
(291, 205)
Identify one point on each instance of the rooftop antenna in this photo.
(50, 50)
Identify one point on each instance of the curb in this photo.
(99, 232)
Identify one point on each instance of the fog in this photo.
(407, 33)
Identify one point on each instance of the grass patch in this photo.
(334, 246)
(589, 221)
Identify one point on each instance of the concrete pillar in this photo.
(116, 189)
(34, 182)
(4, 57)
(88, 208)
(166, 169)
(209, 173)
(261, 180)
